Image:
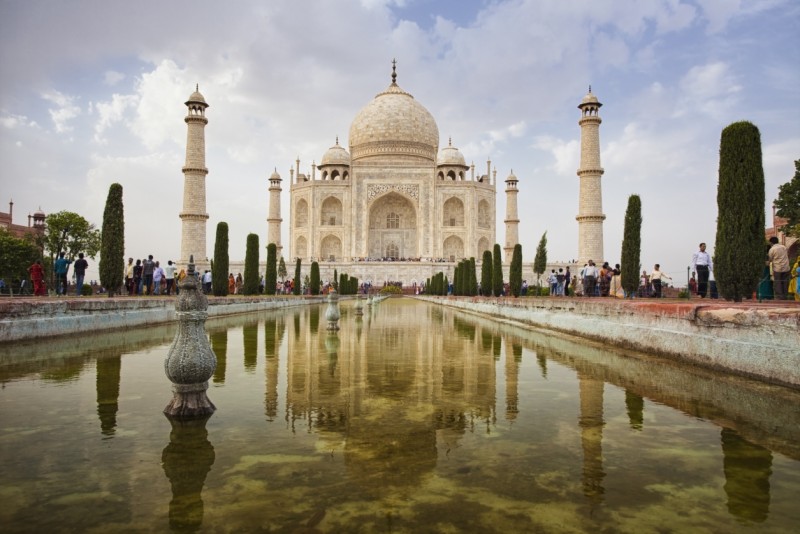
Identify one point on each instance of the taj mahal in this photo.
(392, 205)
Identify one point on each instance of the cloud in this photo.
(112, 78)
(65, 111)
(111, 112)
(710, 89)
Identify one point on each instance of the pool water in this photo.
(414, 418)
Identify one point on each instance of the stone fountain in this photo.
(332, 313)
(190, 361)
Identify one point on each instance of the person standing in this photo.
(158, 275)
(779, 259)
(701, 264)
(137, 277)
(129, 277)
(567, 282)
(590, 274)
(61, 268)
(80, 272)
(147, 274)
(37, 277)
(656, 277)
(169, 276)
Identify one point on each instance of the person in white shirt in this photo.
(169, 276)
(701, 264)
(655, 278)
(590, 276)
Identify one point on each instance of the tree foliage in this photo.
(473, 278)
(282, 273)
(69, 232)
(251, 277)
(631, 245)
(540, 260)
(515, 271)
(271, 278)
(497, 271)
(112, 254)
(740, 248)
(788, 203)
(221, 262)
(486, 274)
(16, 255)
(298, 283)
(314, 280)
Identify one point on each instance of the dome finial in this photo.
(197, 87)
(394, 71)
(590, 88)
(337, 140)
(450, 141)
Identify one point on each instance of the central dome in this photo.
(394, 124)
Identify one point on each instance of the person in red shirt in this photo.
(37, 277)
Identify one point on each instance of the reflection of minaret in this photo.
(513, 359)
(747, 470)
(590, 203)
(250, 339)
(635, 406)
(591, 423)
(274, 219)
(271, 345)
(219, 344)
(194, 216)
(187, 460)
(512, 218)
(108, 374)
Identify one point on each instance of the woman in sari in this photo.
(795, 274)
(231, 284)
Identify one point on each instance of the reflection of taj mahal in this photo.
(393, 207)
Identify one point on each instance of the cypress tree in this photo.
(631, 246)
(298, 283)
(335, 281)
(515, 271)
(251, 278)
(221, 262)
(282, 269)
(486, 274)
(271, 278)
(445, 286)
(540, 261)
(740, 247)
(112, 242)
(497, 271)
(342, 285)
(457, 279)
(473, 278)
(314, 280)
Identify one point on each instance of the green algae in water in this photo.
(412, 419)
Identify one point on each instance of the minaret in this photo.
(590, 204)
(194, 216)
(512, 218)
(274, 219)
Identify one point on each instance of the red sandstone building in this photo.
(35, 222)
(791, 243)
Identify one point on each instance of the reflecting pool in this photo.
(414, 418)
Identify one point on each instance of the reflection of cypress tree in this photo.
(314, 319)
(497, 343)
(512, 381)
(271, 344)
(542, 361)
(219, 344)
(250, 336)
(269, 338)
(108, 375)
(465, 329)
(635, 405)
(187, 460)
(486, 340)
(516, 349)
(747, 470)
(296, 326)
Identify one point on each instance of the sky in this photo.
(93, 92)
